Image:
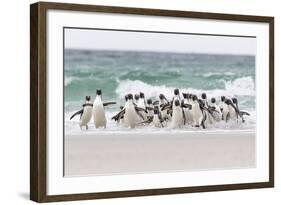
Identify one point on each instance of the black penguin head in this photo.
(213, 100)
(149, 101)
(222, 98)
(130, 97)
(204, 96)
(141, 95)
(98, 91)
(126, 98)
(137, 96)
(155, 111)
(88, 98)
(161, 97)
(194, 97)
(177, 102)
(185, 95)
(227, 101)
(176, 91)
(234, 100)
(121, 107)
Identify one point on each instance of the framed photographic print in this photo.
(134, 102)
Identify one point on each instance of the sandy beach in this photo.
(125, 153)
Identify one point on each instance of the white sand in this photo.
(123, 153)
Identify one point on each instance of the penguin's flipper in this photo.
(189, 106)
(139, 114)
(212, 109)
(119, 115)
(166, 106)
(203, 108)
(138, 109)
(77, 113)
(149, 108)
(109, 103)
(244, 113)
(155, 102)
(183, 114)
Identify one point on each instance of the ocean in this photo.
(118, 73)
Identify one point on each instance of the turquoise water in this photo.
(120, 72)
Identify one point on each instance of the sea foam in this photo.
(244, 86)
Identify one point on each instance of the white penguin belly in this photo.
(131, 118)
(177, 118)
(232, 113)
(188, 116)
(225, 111)
(86, 116)
(210, 119)
(99, 116)
(197, 115)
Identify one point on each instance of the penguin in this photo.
(230, 112)
(142, 104)
(178, 117)
(197, 112)
(156, 120)
(149, 108)
(120, 115)
(222, 104)
(121, 119)
(204, 98)
(169, 106)
(98, 110)
(141, 101)
(85, 113)
(217, 115)
(241, 113)
(176, 95)
(208, 111)
(187, 112)
(164, 105)
(131, 113)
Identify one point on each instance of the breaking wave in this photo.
(244, 86)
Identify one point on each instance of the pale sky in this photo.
(159, 42)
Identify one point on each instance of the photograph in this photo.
(148, 101)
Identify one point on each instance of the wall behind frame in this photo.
(14, 103)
